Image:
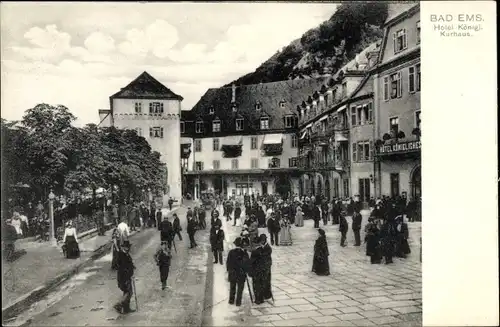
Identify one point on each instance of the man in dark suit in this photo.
(217, 244)
(343, 227)
(166, 231)
(356, 227)
(237, 266)
(191, 230)
(273, 227)
(316, 215)
(124, 275)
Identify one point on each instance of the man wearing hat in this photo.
(124, 275)
(217, 243)
(261, 263)
(237, 266)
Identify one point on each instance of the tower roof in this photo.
(146, 86)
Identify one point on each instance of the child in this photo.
(162, 258)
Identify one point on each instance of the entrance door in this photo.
(282, 186)
(264, 188)
(416, 183)
(364, 189)
(394, 185)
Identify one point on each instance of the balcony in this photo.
(339, 165)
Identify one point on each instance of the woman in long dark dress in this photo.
(402, 247)
(373, 249)
(70, 241)
(321, 266)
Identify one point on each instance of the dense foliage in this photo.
(327, 48)
(44, 151)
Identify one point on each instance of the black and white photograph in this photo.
(211, 164)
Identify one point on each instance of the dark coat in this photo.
(237, 265)
(237, 213)
(321, 265)
(216, 222)
(166, 230)
(125, 270)
(315, 214)
(261, 260)
(191, 226)
(343, 225)
(273, 225)
(162, 259)
(177, 225)
(356, 221)
(217, 240)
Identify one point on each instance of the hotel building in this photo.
(397, 106)
(243, 139)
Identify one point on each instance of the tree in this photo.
(49, 146)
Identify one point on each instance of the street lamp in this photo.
(52, 238)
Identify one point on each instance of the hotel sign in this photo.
(400, 147)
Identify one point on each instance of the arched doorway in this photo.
(327, 190)
(319, 187)
(282, 186)
(416, 183)
(301, 187)
(311, 186)
(218, 185)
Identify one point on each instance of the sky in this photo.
(79, 54)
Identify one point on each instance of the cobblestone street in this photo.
(356, 293)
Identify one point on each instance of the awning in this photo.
(273, 139)
(232, 140)
(342, 108)
(323, 118)
(340, 138)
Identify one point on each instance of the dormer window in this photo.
(289, 121)
(282, 104)
(264, 123)
(239, 124)
(199, 127)
(399, 40)
(211, 110)
(258, 106)
(216, 126)
(155, 108)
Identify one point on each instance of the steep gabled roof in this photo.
(146, 86)
(269, 95)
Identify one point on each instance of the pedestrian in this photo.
(166, 231)
(388, 234)
(115, 248)
(217, 244)
(124, 276)
(237, 267)
(176, 226)
(191, 230)
(372, 239)
(70, 242)
(356, 227)
(316, 215)
(343, 227)
(261, 262)
(170, 203)
(321, 266)
(237, 214)
(159, 216)
(285, 233)
(215, 220)
(123, 232)
(402, 246)
(163, 258)
(273, 227)
(324, 212)
(202, 219)
(299, 217)
(9, 237)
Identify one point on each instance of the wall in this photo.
(207, 155)
(410, 24)
(404, 168)
(169, 146)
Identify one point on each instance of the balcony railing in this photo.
(313, 165)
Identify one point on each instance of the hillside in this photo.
(324, 49)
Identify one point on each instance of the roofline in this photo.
(360, 85)
(144, 97)
(403, 15)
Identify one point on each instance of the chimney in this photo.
(233, 97)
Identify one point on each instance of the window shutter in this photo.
(404, 42)
(161, 132)
(150, 132)
(371, 150)
(400, 85)
(411, 79)
(386, 88)
(394, 43)
(370, 112)
(354, 154)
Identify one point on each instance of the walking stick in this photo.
(135, 293)
(249, 290)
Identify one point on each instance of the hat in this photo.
(126, 244)
(237, 241)
(262, 237)
(321, 232)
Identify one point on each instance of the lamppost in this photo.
(52, 238)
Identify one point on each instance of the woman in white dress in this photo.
(299, 217)
(285, 233)
(70, 241)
